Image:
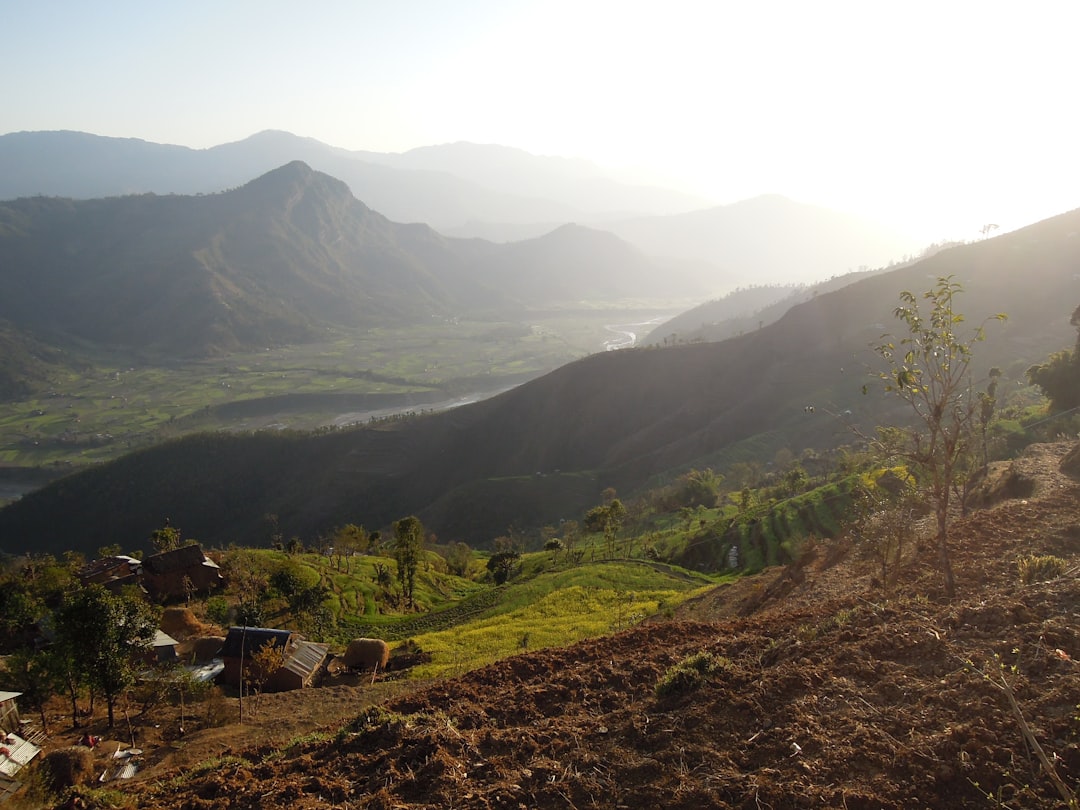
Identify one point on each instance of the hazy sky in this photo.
(937, 117)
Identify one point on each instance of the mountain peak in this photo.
(297, 177)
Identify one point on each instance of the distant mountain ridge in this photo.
(546, 450)
(275, 261)
(409, 187)
(469, 190)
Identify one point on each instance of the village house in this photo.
(112, 572)
(176, 573)
(303, 660)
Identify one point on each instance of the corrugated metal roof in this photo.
(307, 658)
(15, 752)
(163, 639)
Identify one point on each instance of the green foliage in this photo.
(408, 545)
(1059, 376)
(217, 610)
(691, 673)
(166, 538)
(700, 488)
(458, 558)
(1040, 568)
(501, 565)
(607, 519)
(929, 370)
(99, 635)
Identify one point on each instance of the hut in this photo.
(164, 648)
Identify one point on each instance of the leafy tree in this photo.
(262, 664)
(554, 545)
(501, 565)
(349, 539)
(33, 673)
(103, 634)
(571, 531)
(248, 578)
(1059, 377)
(929, 369)
(607, 519)
(408, 546)
(288, 579)
(883, 525)
(700, 488)
(458, 557)
(19, 610)
(167, 538)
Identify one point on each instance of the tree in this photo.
(1059, 377)
(248, 578)
(700, 488)
(408, 546)
(167, 538)
(501, 565)
(32, 673)
(262, 665)
(102, 635)
(607, 519)
(350, 539)
(458, 557)
(929, 369)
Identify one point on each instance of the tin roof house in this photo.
(303, 660)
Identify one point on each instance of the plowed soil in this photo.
(829, 692)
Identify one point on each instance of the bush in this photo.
(691, 673)
(1036, 568)
(217, 610)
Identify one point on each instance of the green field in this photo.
(467, 622)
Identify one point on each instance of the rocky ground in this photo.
(819, 690)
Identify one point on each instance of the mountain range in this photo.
(279, 260)
(477, 191)
(545, 450)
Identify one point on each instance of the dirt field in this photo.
(824, 694)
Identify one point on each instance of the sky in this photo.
(934, 117)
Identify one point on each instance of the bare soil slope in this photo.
(831, 696)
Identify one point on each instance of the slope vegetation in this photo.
(802, 687)
(545, 450)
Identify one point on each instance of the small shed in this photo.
(164, 647)
(305, 661)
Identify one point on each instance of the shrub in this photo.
(1036, 568)
(217, 610)
(691, 673)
